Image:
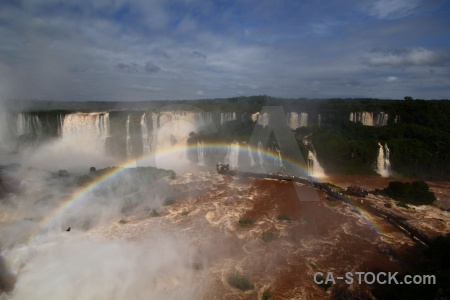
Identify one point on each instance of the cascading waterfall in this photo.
(383, 162)
(260, 155)
(250, 154)
(227, 117)
(88, 130)
(129, 146)
(303, 119)
(201, 153)
(293, 120)
(280, 158)
(29, 124)
(263, 119)
(145, 135)
(382, 119)
(168, 133)
(314, 167)
(232, 157)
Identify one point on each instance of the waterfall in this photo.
(170, 133)
(144, 135)
(129, 146)
(227, 117)
(88, 130)
(29, 125)
(366, 118)
(303, 119)
(382, 119)
(314, 167)
(383, 163)
(263, 119)
(201, 153)
(260, 155)
(232, 157)
(293, 121)
(250, 154)
(60, 121)
(280, 159)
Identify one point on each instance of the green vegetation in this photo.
(123, 221)
(184, 213)
(245, 222)
(417, 192)
(267, 236)
(402, 204)
(266, 295)
(419, 142)
(388, 205)
(283, 217)
(240, 282)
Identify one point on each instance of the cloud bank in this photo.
(154, 50)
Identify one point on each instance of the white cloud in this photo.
(392, 9)
(416, 56)
(391, 78)
(199, 93)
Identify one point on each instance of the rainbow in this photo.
(91, 186)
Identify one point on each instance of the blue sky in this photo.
(189, 49)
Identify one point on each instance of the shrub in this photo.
(240, 282)
(123, 221)
(388, 205)
(283, 217)
(266, 295)
(245, 222)
(417, 192)
(184, 213)
(402, 204)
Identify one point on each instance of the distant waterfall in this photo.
(383, 162)
(303, 119)
(201, 153)
(227, 117)
(314, 167)
(29, 124)
(232, 157)
(89, 130)
(293, 120)
(263, 119)
(260, 153)
(279, 159)
(145, 135)
(250, 154)
(382, 119)
(129, 146)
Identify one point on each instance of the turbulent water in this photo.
(126, 242)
